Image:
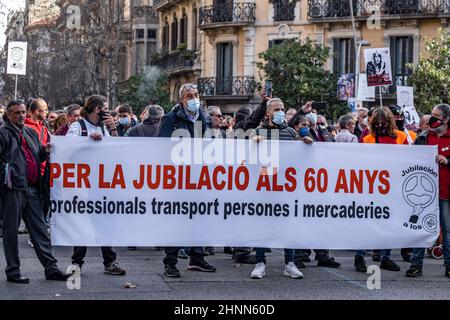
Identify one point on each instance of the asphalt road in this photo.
(145, 269)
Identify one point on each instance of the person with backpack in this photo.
(95, 123)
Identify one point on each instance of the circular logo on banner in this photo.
(430, 223)
(419, 190)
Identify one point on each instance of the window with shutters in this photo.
(343, 56)
(401, 55)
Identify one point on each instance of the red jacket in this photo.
(43, 134)
(443, 143)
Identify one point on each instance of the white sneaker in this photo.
(292, 271)
(30, 243)
(259, 272)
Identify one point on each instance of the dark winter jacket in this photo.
(284, 132)
(148, 128)
(177, 119)
(11, 154)
(254, 120)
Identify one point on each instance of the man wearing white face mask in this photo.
(125, 121)
(274, 127)
(187, 115)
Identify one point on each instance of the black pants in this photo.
(321, 254)
(196, 254)
(26, 205)
(109, 256)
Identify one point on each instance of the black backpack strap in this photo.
(84, 131)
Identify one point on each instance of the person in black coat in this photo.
(21, 184)
(150, 126)
(188, 120)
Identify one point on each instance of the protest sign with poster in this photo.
(378, 67)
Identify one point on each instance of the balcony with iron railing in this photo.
(225, 15)
(160, 5)
(242, 87)
(338, 10)
(177, 62)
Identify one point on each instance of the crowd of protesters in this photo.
(26, 129)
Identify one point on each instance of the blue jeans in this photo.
(385, 253)
(261, 255)
(419, 253)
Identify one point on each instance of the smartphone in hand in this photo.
(268, 86)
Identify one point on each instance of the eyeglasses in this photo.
(220, 116)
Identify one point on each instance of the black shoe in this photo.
(360, 264)
(228, 250)
(299, 264)
(209, 251)
(329, 263)
(406, 255)
(388, 264)
(201, 266)
(413, 272)
(447, 272)
(57, 275)
(18, 279)
(171, 271)
(246, 259)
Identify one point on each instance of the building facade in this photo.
(227, 36)
(180, 42)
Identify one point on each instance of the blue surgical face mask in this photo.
(304, 132)
(279, 117)
(312, 117)
(193, 105)
(124, 121)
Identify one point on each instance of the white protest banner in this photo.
(405, 99)
(365, 93)
(378, 67)
(159, 192)
(17, 58)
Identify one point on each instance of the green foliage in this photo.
(150, 86)
(298, 75)
(431, 76)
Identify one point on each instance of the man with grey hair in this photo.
(185, 114)
(149, 127)
(188, 115)
(347, 125)
(216, 122)
(362, 121)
